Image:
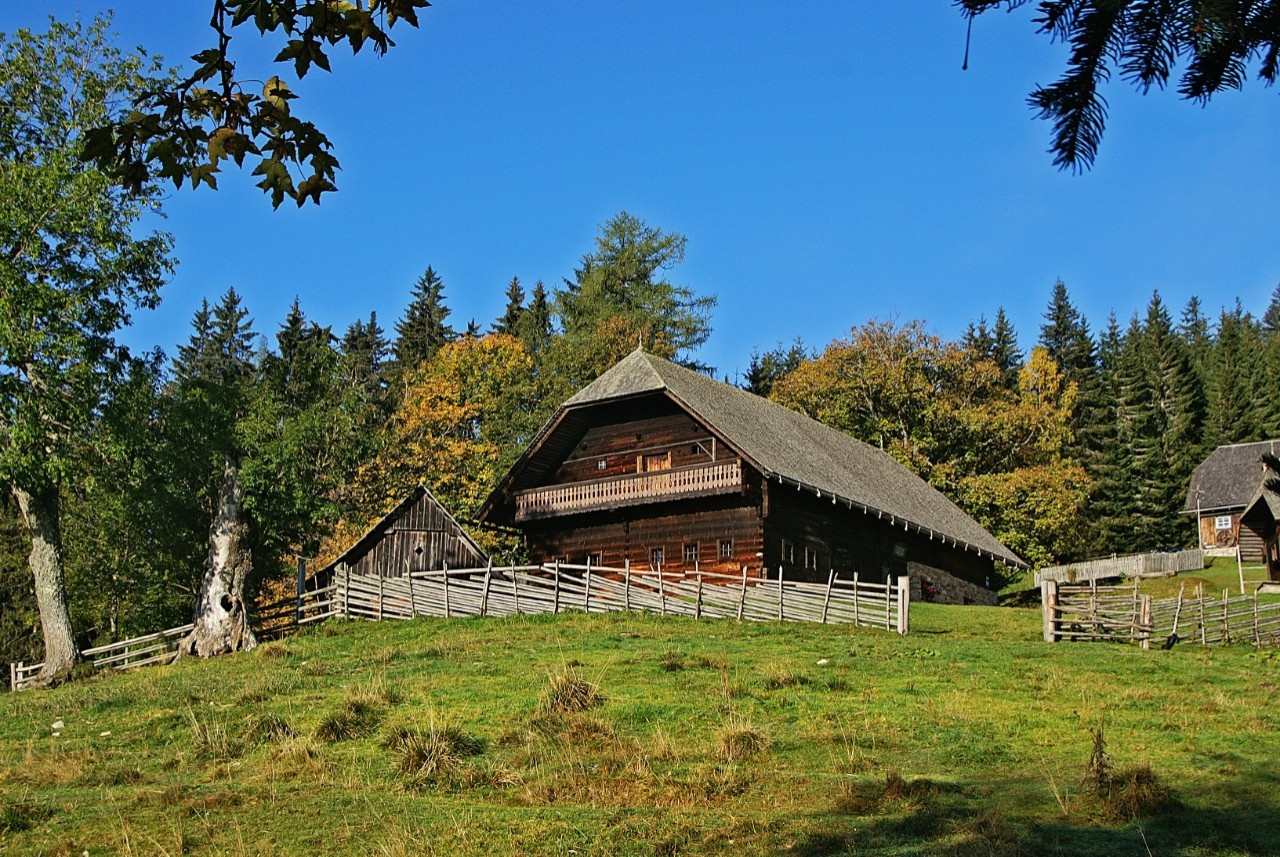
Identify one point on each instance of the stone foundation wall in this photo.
(932, 584)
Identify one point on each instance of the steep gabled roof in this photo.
(1229, 478)
(385, 523)
(791, 448)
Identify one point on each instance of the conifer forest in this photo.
(1070, 441)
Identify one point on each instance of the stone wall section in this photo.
(934, 584)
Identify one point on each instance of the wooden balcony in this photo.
(702, 480)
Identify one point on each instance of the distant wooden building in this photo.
(1221, 488)
(1261, 520)
(419, 534)
(657, 465)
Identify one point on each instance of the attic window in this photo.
(1222, 522)
(600, 465)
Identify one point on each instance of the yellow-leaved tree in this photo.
(466, 414)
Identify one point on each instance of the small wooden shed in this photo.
(419, 534)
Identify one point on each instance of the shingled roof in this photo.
(793, 449)
(1229, 478)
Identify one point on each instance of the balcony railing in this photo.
(629, 490)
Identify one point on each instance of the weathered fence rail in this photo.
(558, 587)
(1131, 566)
(1091, 612)
(532, 589)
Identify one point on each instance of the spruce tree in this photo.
(1004, 349)
(509, 321)
(1233, 412)
(534, 326)
(772, 366)
(423, 330)
(1109, 510)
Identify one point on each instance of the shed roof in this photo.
(790, 447)
(1228, 479)
(384, 523)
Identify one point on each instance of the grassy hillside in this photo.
(444, 737)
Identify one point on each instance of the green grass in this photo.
(439, 737)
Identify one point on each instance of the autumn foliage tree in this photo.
(947, 413)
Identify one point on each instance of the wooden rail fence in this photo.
(1090, 612)
(532, 589)
(1132, 566)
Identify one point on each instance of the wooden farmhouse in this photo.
(419, 534)
(658, 466)
(1221, 488)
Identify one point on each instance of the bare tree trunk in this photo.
(40, 511)
(222, 618)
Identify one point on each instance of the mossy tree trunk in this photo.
(39, 509)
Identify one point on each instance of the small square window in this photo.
(1222, 522)
(595, 559)
(788, 552)
(726, 548)
(655, 557)
(600, 465)
(691, 553)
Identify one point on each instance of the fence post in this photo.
(13, 675)
(857, 616)
(447, 610)
(781, 614)
(413, 602)
(697, 607)
(826, 599)
(515, 589)
(1145, 622)
(586, 597)
(484, 594)
(1257, 637)
(1200, 601)
(346, 590)
(380, 596)
(888, 602)
(742, 596)
(626, 581)
(302, 585)
(904, 605)
(1226, 616)
(555, 606)
(1177, 611)
(1049, 607)
(662, 593)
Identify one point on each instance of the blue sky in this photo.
(829, 162)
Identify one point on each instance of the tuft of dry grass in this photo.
(672, 660)
(211, 737)
(568, 693)
(1136, 793)
(355, 719)
(270, 727)
(739, 739)
(275, 650)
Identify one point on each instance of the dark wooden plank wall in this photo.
(421, 538)
(615, 538)
(850, 540)
(619, 445)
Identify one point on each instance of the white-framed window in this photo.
(691, 553)
(788, 552)
(1222, 522)
(810, 557)
(656, 556)
(726, 548)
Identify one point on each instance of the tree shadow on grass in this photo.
(969, 820)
